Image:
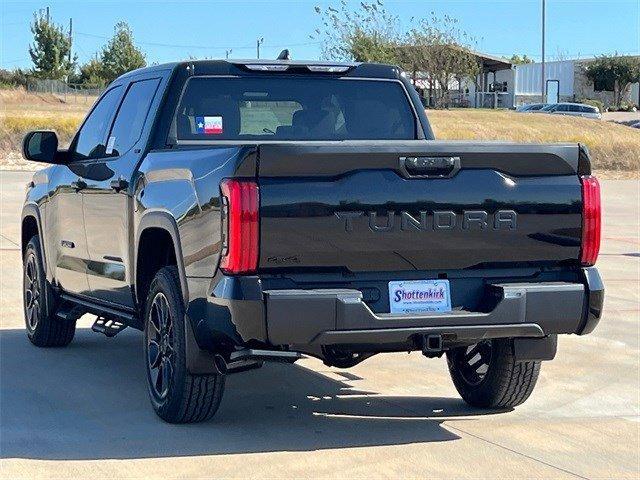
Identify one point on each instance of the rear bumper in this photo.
(341, 317)
(307, 320)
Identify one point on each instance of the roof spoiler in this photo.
(283, 66)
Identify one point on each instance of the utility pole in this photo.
(544, 80)
(227, 53)
(259, 41)
(70, 37)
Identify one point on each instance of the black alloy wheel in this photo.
(32, 292)
(44, 327)
(160, 346)
(473, 362)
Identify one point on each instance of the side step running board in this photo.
(111, 320)
(100, 310)
(110, 328)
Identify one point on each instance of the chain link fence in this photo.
(70, 92)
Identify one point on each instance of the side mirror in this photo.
(40, 146)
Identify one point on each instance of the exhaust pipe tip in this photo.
(221, 364)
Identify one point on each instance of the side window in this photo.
(90, 140)
(131, 116)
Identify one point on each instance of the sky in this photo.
(168, 30)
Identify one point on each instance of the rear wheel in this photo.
(487, 375)
(44, 328)
(177, 396)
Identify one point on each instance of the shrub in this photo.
(627, 107)
(13, 78)
(593, 103)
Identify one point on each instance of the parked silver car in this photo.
(574, 109)
(531, 107)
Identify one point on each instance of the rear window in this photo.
(294, 108)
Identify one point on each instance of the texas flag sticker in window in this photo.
(209, 125)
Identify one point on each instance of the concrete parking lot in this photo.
(83, 411)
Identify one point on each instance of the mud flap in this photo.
(534, 349)
(199, 361)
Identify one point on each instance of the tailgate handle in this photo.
(430, 167)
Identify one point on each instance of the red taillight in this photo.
(590, 220)
(240, 200)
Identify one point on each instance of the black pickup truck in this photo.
(242, 212)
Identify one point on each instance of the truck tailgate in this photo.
(417, 205)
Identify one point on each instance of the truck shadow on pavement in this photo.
(89, 401)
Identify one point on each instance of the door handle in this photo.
(119, 184)
(78, 185)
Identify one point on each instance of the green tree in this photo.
(50, 49)
(439, 48)
(616, 71)
(367, 34)
(92, 73)
(121, 55)
(519, 60)
(436, 47)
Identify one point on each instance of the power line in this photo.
(292, 45)
(15, 61)
(170, 45)
(202, 47)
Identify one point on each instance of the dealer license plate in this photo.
(419, 296)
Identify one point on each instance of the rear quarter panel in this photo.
(186, 184)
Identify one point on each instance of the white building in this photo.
(503, 85)
(565, 82)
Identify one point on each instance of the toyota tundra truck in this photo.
(242, 212)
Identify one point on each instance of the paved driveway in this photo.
(622, 117)
(83, 411)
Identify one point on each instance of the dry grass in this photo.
(613, 147)
(20, 101)
(21, 111)
(14, 126)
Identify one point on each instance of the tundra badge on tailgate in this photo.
(437, 220)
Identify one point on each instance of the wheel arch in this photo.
(164, 224)
(30, 225)
(162, 228)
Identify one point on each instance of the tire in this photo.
(487, 375)
(44, 327)
(177, 396)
